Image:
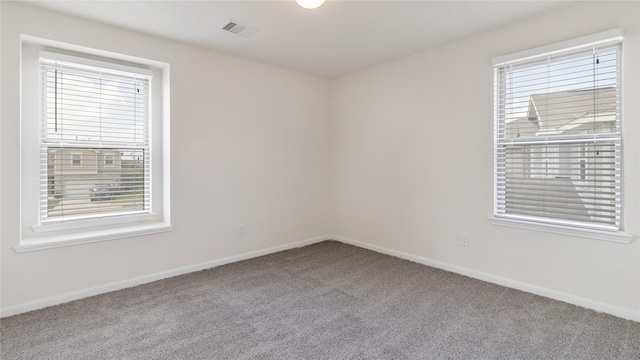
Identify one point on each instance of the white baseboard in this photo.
(119, 285)
(552, 294)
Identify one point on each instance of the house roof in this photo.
(521, 127)
(559, 108)
(566, 112)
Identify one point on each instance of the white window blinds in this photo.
(94, 149)
(558, 150)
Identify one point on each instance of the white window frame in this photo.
(79, 160)
(560, 227)
(36, 235)
(106, 164)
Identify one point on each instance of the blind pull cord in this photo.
(56, 101)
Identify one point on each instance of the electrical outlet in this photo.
(241, 230)
(464, 240)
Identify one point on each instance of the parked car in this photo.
(101, 192)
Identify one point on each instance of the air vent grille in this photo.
(237, 28)
(229, 26)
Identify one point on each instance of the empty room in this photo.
(309, 179)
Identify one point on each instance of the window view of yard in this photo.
(99, 185)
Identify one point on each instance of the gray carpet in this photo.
(324, 301)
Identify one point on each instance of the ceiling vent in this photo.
(237, 28)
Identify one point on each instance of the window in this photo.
(76, 160)
(96, 122)
(108, 160)
(558, 150)
(88, 109)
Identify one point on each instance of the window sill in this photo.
(92, 222)
(56, 241)
(619, 237)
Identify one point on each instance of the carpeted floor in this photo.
(324, 301)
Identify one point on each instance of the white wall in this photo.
(249, 145)
(395, 187)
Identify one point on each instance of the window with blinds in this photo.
(558, 150)
(94, 148)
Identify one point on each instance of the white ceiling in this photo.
(339, 37)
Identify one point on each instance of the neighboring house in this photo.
(566, 112)
(563, 170)
(73, 172)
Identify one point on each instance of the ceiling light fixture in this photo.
(310, 4)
